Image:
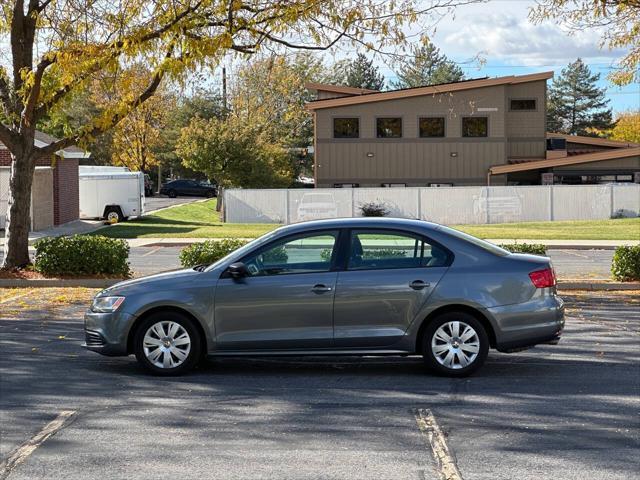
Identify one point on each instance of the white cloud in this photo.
(503, 32)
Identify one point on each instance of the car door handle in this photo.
(419, 284)
(320, 288)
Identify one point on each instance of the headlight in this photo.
(106, 304)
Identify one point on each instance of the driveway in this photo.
(565, 411)
(158, 202)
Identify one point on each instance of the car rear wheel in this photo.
(172, 194)
(167, 344)
(455, 344)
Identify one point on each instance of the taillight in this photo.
(543, 278)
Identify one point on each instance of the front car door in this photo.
(389, 276)
(285, 301)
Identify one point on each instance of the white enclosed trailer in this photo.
(111, 193)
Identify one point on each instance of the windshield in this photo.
(242, 251)
(490, 247)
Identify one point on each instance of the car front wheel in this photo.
(455, 344)
(167, 344)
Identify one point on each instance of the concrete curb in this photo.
(59, 283)
(602, 286)
(107, 282)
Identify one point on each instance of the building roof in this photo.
(600, 142)
(325, 87)
(427, 90)
(43, 139)
(562, 162)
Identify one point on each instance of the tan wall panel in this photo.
(526, 124)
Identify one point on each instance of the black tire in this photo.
(456, 369)
(113, 215)
(172, 194)
(194, 352)
(209, 194)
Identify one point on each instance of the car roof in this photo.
(361, 222)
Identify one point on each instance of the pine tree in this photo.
(362, 73)
(426, 66)
(575, 103)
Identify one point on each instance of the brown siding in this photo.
(411, 159)
(526, 131)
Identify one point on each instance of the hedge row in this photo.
(81, 255)
(626, 264)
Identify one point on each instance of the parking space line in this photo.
(151, 252)
(427, 424)
(20, 454)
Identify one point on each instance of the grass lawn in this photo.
(193, 220)
(620, 229)
(200, 220)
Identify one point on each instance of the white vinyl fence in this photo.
(447, 205)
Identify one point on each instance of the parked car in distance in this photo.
(356, 286)
(188, 187)
(148, 186)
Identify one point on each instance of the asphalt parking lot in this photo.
(569, 264)
(563, 412)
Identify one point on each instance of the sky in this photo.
(500, 32)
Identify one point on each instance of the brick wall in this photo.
(66, 196)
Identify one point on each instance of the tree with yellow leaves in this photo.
(618, 20)
(627, 127)
(57, 47)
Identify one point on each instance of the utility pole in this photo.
(224, 89)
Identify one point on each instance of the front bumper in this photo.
(107, 333)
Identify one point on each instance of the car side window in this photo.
(377, 250)
(305, 253)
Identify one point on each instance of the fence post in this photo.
(611, 212)
(487, 205)
(353, 203)
(286, 207)
(551, 203)
(419, 190)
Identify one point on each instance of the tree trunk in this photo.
(220, 200)
(19, 210)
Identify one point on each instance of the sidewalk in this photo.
(71, 228)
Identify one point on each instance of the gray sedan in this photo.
(337, 287)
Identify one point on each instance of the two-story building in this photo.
(472, 132)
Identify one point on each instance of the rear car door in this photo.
(389, 276)
(286, 301)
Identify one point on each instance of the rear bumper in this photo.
(538, 321)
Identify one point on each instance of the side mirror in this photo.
(237, 270)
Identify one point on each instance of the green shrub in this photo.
(626, 264)
(208, 251)
(374, 209)
(532, 248)
(82, 255)
(325, 254)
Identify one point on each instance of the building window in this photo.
(389, 127)
(346, 127)
(475, 126)
(431, 127)
(394, 185)
(346, 185)
(523, 104)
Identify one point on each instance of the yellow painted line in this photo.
(427, 424)
(15, 297)
(20, 454)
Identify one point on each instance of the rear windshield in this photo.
(489, 247)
